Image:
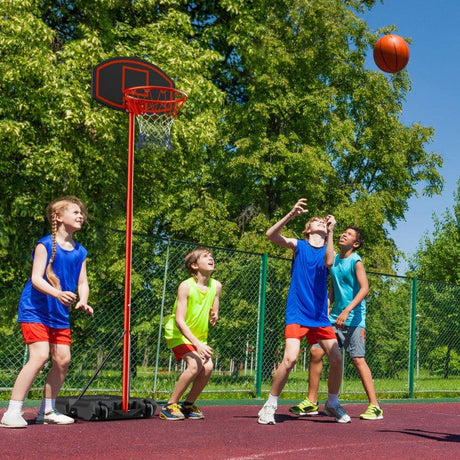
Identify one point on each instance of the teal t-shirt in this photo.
(346, 286)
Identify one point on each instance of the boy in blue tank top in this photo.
(348, 315)
(307, 307)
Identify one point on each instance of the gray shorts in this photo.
(352, 339)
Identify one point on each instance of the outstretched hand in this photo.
(330, 222)
(86, 308)
(299, 209)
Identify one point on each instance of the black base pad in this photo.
(105, 407)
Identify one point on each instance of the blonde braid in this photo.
(52, 278)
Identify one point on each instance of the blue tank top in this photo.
(36, 307)
(346, 286)
(307, 297)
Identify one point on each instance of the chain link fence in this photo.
(413, 333)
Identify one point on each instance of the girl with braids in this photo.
(58, 270)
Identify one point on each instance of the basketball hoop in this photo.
(145, 92)
(155, 108)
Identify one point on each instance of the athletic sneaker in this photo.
(338, 413)
(53, 417)
(191, 411)
(306, 407)
(267, 414)
(13, 419)
(372, 413)
(171, 412)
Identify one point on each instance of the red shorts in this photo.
(312, 334)
(36, 332)
(182, 350)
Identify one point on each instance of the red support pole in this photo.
(128, 262)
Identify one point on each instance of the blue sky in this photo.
(434, 99)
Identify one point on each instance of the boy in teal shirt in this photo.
(348, 315)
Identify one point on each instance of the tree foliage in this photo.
(280, 106)
(437, 259)
(438, 254)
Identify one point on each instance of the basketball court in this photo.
(428, 430)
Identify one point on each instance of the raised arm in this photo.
(273, 233)
(330, 253)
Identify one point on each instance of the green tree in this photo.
(437, 259)
(438, 254)
(305, 118)
(280, 106)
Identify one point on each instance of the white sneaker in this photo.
(338, 413)
(53, 417)
(267, 414)
(13, 419)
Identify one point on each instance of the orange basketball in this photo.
(391, 53)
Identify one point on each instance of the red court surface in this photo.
(408, 431)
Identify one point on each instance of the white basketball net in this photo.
(155, 130)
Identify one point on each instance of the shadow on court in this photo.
(408, 431)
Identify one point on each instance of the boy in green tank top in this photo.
(186, 333)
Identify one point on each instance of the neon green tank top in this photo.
(199, 304)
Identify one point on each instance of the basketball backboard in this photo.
(111, 77)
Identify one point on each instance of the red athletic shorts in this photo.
(182, 350)
(36, 332)
(312, 334)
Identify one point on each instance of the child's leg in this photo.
(38, 356)
(332, 350)
(193, 369)
(314, 372)
(291, 353)
(60, 359)
(366, 378)
(200, 381)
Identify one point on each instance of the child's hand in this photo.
(67, 297)
(86, 308)
(341, 319)
(213, 317)
(204, 351)
(298, 209)
(330, 223)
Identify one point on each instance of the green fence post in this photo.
(160, 326)
(413, 313)
(261, 323)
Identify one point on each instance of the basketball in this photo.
(391, 53)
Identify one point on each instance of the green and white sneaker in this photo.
(305, 407)
(372, 413)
